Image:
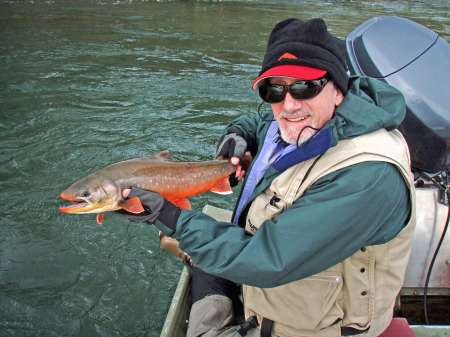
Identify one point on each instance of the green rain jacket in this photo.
(271, 257)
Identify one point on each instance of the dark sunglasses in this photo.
(300, 90)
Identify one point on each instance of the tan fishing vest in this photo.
(358, 292)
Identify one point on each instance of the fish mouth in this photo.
(82, 205)
(78, 204)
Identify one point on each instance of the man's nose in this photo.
(290, 103)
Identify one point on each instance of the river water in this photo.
(88, 83)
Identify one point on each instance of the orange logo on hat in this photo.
(287, 56)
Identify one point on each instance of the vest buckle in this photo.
(251, 323)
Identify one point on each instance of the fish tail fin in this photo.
(223, 187)
(100, 217)
(182, 203)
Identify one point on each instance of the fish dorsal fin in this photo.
(164, 155)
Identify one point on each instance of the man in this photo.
(322, 229)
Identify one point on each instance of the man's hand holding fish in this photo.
(156, 207)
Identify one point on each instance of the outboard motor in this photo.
(416, 61)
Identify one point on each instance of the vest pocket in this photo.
(310, 304)
(332, 283)
(265, 207)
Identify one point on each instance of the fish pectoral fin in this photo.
(182, 203)
(132, 205)
(223, 187)
(100, 217)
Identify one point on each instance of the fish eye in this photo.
(84, 194)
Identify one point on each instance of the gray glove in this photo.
(232, 144)
(156, 207)
(151, 201)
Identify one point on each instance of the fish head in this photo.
(90, 195)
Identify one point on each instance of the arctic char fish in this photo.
(101, 191)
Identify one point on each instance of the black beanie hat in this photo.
(309, 45)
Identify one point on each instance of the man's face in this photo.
(293, 115)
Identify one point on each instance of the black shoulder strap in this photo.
(266, 327)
